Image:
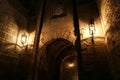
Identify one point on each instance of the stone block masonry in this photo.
(110, 17)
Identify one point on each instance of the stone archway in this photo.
(51, 56)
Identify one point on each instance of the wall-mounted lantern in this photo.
(92, 29)
(24, 39)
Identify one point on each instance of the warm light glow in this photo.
(85, 32)
(92, 29)
(71, 65)
(31, 38)
(85, 29)
(23, 39)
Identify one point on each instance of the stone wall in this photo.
(110, 17)
(58, 22)
(85, 12)
(11, 22)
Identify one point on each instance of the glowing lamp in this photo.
(24, 39)
(92, 30)
(92, 27)
(71, 65)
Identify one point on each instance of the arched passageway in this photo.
(52, 55)
(57, 60)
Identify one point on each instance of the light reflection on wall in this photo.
(69, 68)
(70, 65)
(20, 36)
(99, 30)
(84, 29)
(30, 38)
(11, 30)
(8, 34)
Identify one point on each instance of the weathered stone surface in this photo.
(57, 27)
(11, 22)
(110, 16)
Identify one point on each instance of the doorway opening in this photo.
(56, 58)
